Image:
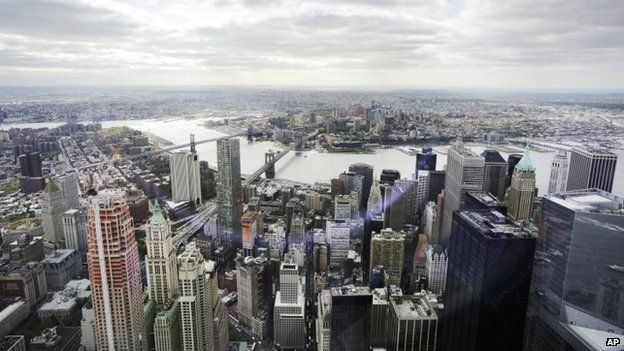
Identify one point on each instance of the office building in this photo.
(75, 230)
(464, 173)
(185, 179)
(558, 173)
(436, 184)
(394, 207)
(60, 267)
(430, 223)
(69, 186)
(426, 160)
(353, 182)
(387, 249)
(288, 313)
(577, 290)
(31, 178)
(591, 168)
(494, 173)
(203, 322)
(115, 276)
(487, 284)
(251, 226)
(88, 327)
(323, 320)
(297, 228)
(350, 318)
(342, 207)
(379, 317)
(160, 261)
(413, 194)
(338, 238)
(167, 328)
(412, 323)
(521, 192)
(26, 281)
(366, 171)
(229, 196)
(480, 200)
(52, 209)
(436, 267)
(253, 284)
(389, 176)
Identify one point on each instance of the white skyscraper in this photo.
(160, 261)
(185, 179)
(558, 174)
(75, 230)
(69, 186)
(338, 240)
(52, 209)
(437, 262)
(289, 318)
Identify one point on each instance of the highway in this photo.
(183, 234)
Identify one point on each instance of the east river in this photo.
(312, 166)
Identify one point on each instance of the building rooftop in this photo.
(525, 162)
(493, 156)
(59, 256)
(590, 200)
(412, 307)
(486, 198)
(351, 290)
(494, 225)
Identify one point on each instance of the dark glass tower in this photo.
(389, 176)
(487, 284)
(350, 318)
(426, 160)
(577, 292)
(366, 171)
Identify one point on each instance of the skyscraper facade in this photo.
(353, 182)
(69, 186)
(350, 318)
(185, 177)
(254, 290)
(115, 276)
(436, 268)
(229, 195)
(366, 171)
(464, 173)
(487, 286)
(52, 209)
(412, 196)
(494, 173)
(289, 318)
(558, 173)
(394, 207)
(412, 323)
(426, 160)
(160, 261)
(387, 249)
(75, 230)
(576, 291)
(521, 192)
(591, 168)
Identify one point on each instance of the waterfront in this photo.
(311, 166)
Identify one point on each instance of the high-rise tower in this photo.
(558, 174)
(591, 168)
(494, 173)
(288, 320)
(52, 209)
(185, 177)
(522, 190)
(229, 196)
(160, 262)
(366, 171)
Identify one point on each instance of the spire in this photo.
(51, 187)
(525, 163)
(157, 215)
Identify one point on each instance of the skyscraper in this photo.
(558, 173)
(185, 177)
(229, 195)
(251, 225)
(114, 272)
(413, 194)
(52, 209)
(575, 302)
(253, 286)
(353, 182)
(338, 238)
(31, 180)
(464, 173)
(494, 173)
(512, 161)
(69, 186)
(426, 160)
(75, 230)
(521, 192)
(591, 168)
(366, 171)
(436, 268)
(412, 323)
(202, 316)
(289, 318)
(350, 318)
(389, 176)
(160, 261)
(487, 286)
(387, 249)
(394, 207)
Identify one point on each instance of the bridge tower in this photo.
(193, 143)
(269, 158)
(250, 134)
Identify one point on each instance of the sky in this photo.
(367, 44)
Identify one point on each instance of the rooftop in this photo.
(351, 290)
(59, 256)
(589, 200)
(412, 307)
(494, 225)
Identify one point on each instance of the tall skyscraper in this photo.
(31, 180)
(350, 318)
(203, 320)
(342, 207)
(251, 225)
(167, 328)
(338, 238)
(185, 177)
(494, 173)
(521, 192)
(436, 268)
(591, 168)
(426, 160)
(366, 171)
(387, 249)
(52, 209)
(229, 195)
(512, 161)
(412, 323)
(487, 286)
(297, 228)
(430, 222)
(353, 182)
(412, 196)
(69, 186)
(389, 176)
(577, 291)
(436, 184)
(253, 286)
(75, 230)
(558, 173)
(160, 261)
(289, 318)
(394, 207)
(115, 276)
(464, 173)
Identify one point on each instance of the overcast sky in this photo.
(517, 44)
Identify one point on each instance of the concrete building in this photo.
(52, 209)
(494, 173)
(342, 207)
(12, 314)
(254, 293)
(521, 192)
(435, 269)
(591, 168)
(323, 320)
(75, 230)
(60, 267)
(297, 228)
(288, 313)
(338, 238)
(26, 281)
(114, 272)
(379, 318)
(366, 171)
(413, 194)
(558, 173)
(425, 160)
(464, 173)
(167, 328)
(252, 226)
(412, 323)
(353, 182)
(387, 249)
(185, 177)
(160, 261)
(69, 187)
(430, 222)
(229, 196)
(394, 207)
(202, 316)
(350, 318)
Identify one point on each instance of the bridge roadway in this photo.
(183, 234)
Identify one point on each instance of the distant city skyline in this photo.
(392, 44)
